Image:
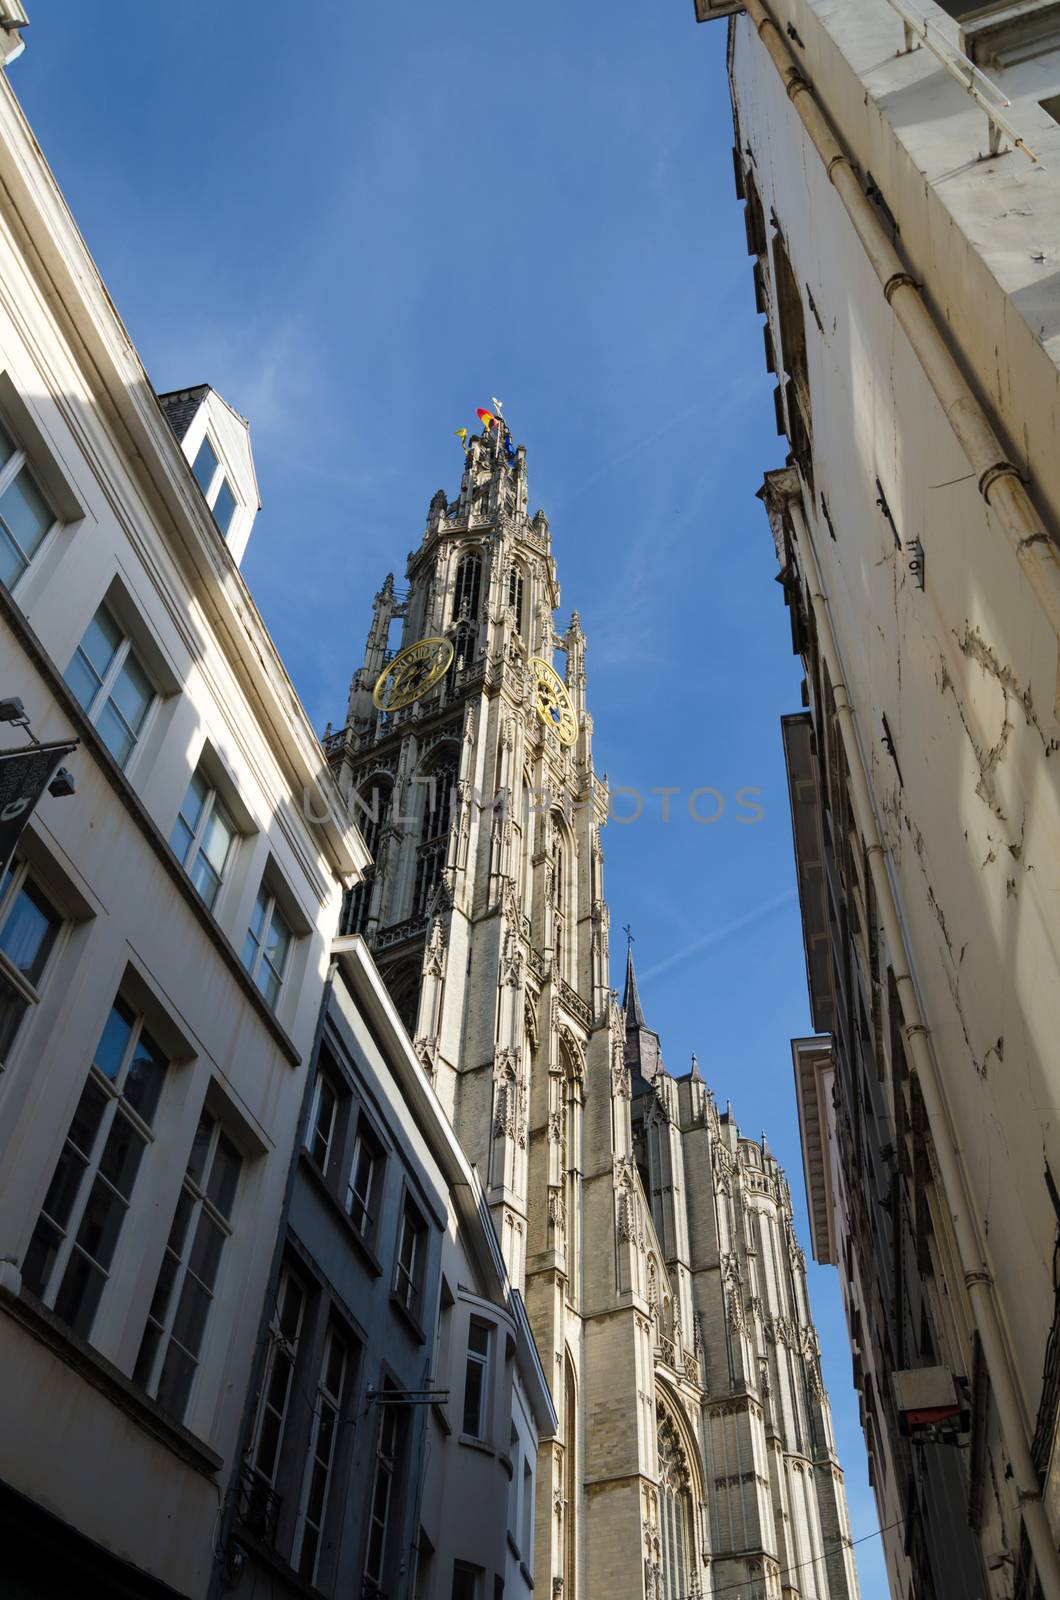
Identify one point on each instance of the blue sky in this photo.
(359, 222)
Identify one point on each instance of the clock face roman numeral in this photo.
(412, 673)
(553, 703)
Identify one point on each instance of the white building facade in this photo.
(164, 933)
(902, 213)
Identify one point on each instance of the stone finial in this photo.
(436, 513)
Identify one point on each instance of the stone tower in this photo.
(653, 1245)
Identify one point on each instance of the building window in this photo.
(408, 1265)
(463, 651)
(320, 1461)
(25, 515)
(260, 1502)
(675, 1512)
(439, 783)
(29, 927)
(366, 1173)
(466, 1582)
(476, 1378)
(381, 1504)
(323, 1114)
(184, 1293)
(70, 1255)
(217, 491)
(111, 684)
(468, 589)
(515, 596)
(203, 838)
(267, 946)
(794, 354)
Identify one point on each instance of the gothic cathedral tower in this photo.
(486, 914)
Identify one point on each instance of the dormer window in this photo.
(212, 480)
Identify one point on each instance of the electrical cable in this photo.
(742, 1583)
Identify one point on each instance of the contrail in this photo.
(718, 935)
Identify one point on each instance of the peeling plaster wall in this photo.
(965, 672)
(962, 673)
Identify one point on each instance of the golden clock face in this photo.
(553, 703)
(412, 672)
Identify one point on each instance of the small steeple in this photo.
(643, 1055)
(631, 1005)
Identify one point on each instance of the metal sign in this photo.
(24, 776)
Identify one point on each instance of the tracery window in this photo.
(675, 1512)
(515, 596)
(468, 589)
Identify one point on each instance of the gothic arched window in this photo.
(515, 596)
(468, 588)
(463, 649)
(437, 782)
(371, 809)
(675, 1511)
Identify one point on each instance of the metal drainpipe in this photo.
(998, 479)
(971, 1249)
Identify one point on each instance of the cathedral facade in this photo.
(653, 1244)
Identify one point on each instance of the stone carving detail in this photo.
(426, 1050)
(511, 960)
(434, 957)
(574, 1052)
(557, 1210)
(630, 1221)
(507, 1095)
(621, 1087)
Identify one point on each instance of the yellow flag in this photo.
(461, 434)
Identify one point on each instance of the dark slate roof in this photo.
(180, 406)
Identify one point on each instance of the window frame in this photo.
(213, 801)
(116, 1104)
(274, 903)
(202, 1205)
(289, 1346)
(390, 1420)
(21, 458)
(481, 1361)
(323, 1081)
(366, 1138)
(337, 1402)
(25, 989)
(219, 477)
(407, 1281)
(102, 697)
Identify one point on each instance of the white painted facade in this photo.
(896, 536)
(83, 1438)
